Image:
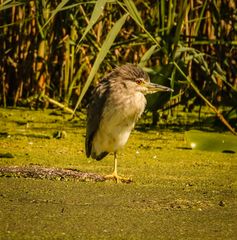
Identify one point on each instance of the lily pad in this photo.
(211, 141)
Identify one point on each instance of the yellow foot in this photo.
(118, 178)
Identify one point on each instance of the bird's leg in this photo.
(115, 175)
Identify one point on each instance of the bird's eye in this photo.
(139, 81)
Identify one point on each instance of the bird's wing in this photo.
(94, 114)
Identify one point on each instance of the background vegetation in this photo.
(53, 51)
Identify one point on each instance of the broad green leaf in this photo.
(97, 11)
(102, 54)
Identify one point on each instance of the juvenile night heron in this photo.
(116, 104)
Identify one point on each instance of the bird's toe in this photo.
(117, 178)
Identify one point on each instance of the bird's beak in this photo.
(153, 87)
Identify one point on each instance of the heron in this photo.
(115, 106)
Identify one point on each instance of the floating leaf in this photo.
(210, 141)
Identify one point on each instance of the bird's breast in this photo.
(124, 112)
(117, 121)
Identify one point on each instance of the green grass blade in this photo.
(133, 11)
(147, 55)
(179, 26)
(102, 54)
(98, 9)
(200, 18)
(136, 17)
(209, 104)
(55, 11)
(9, 4)
(162, 14)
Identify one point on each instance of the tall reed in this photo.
(59, 48)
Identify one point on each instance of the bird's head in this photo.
(138, 80)
(147, 87)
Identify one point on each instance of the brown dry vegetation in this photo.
(52, 51)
